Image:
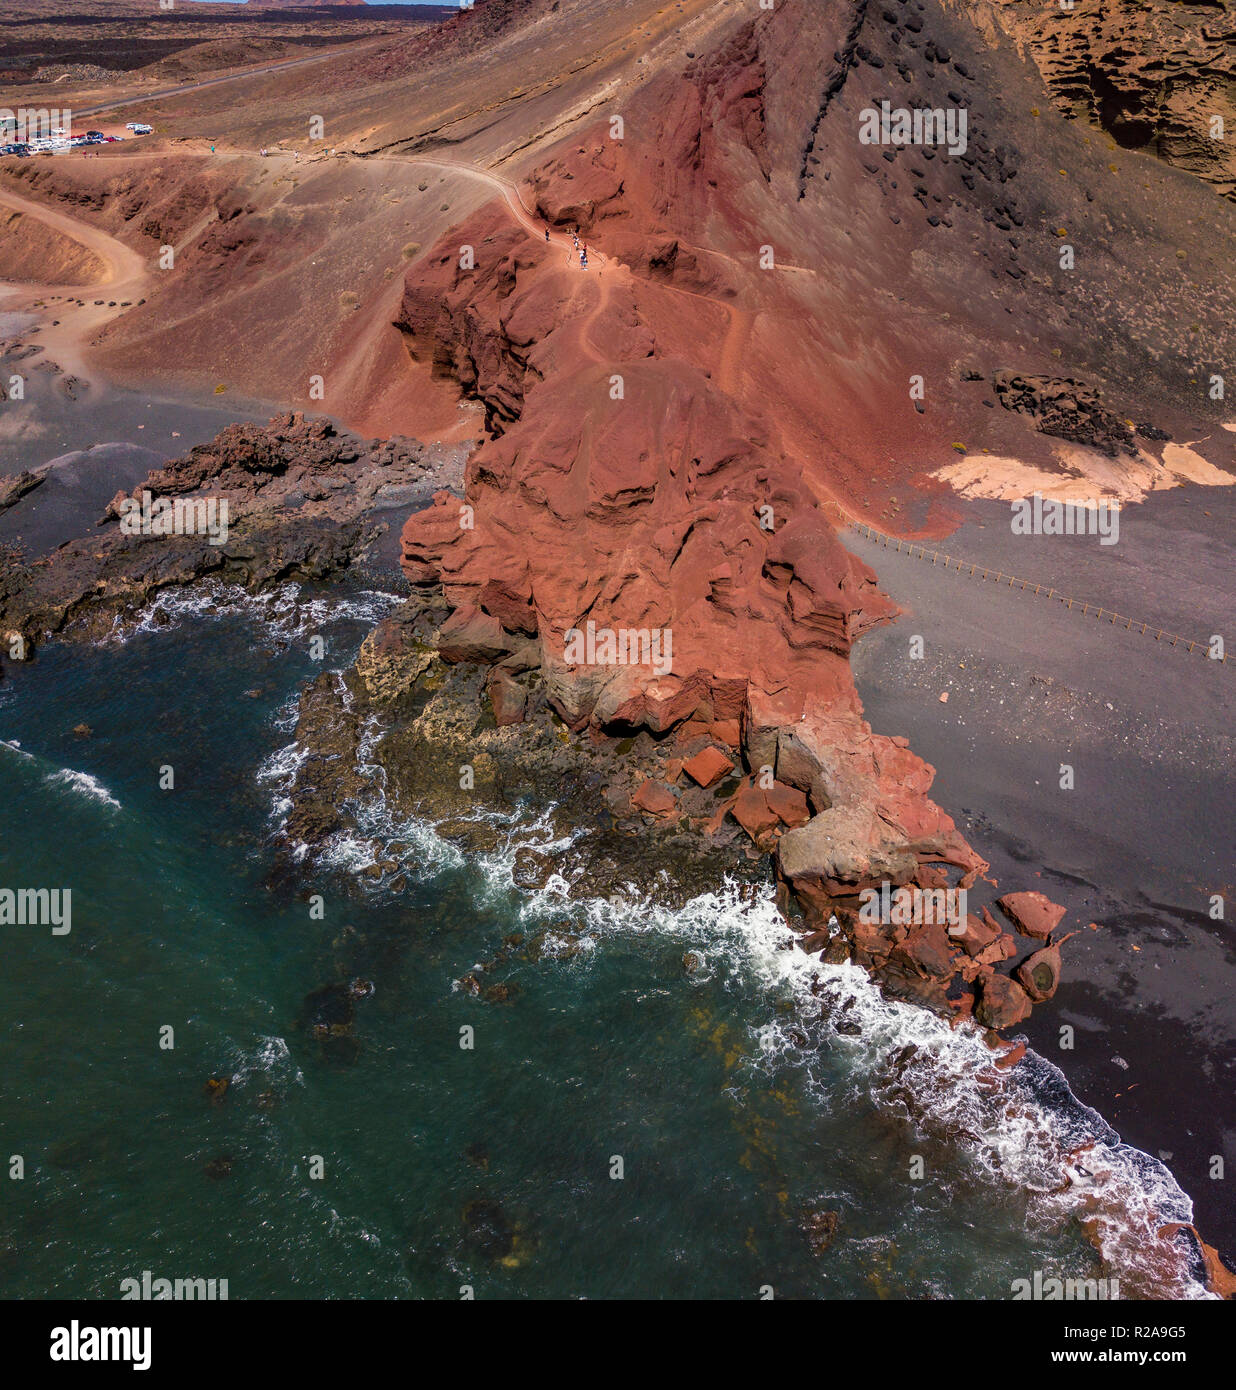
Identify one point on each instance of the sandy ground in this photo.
(1089, 474)
(1144, 838)
(125, 277)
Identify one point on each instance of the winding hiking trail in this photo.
(510, 191)
(126, 277)
(537, 229)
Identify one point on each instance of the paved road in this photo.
(165, 92)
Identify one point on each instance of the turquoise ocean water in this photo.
(621, 1127)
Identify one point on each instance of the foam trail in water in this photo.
(1021, 1127)
(85, 784)
(281, 609)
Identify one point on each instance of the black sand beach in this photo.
(1143, 839)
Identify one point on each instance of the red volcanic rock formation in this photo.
(1002, 1002)
(673, 433)
(1033, 914)
(708, 766)
(1040, 973)
(633, 493)
(655, 799)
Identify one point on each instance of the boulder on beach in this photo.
(1040, 973)
(1033, 914)
(1002, 1003)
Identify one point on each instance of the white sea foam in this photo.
(278, 771)
(85, 784)
(268, 1060)
(1020, 1128)
(282, 609)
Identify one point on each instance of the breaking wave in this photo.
(283, 609)
(84, 784)
(1020, 1128)
(1023, 1127)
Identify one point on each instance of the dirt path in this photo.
(126, 277)
(510, 191)
(537, 229)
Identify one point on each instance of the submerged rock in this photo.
(821, 1229)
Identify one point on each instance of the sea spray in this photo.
(1022, 1127)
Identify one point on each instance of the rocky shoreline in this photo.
(302, 500)
(704, 770)
(696, 777)
(452, 716)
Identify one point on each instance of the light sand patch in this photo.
(1087, 474)
(1189, 466)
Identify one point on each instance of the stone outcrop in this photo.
(1154, 76)
(1066, 409)
(1033, 914)
(303, 501)
(12, 490)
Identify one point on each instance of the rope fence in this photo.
(975, 571)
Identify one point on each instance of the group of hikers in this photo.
(583, 250)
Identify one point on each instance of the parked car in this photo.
(95, 135)
(139, 129)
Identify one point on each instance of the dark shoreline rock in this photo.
(301, 498)
(12, 490)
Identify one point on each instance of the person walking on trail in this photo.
(546, 233)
